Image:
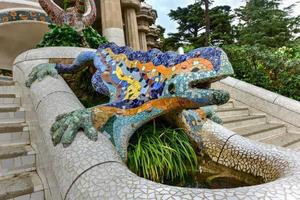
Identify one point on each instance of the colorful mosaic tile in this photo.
(19, 15)
(141, 86)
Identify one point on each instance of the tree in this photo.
(190, 21)
(263, 22)
(220, 25)
(195, 30)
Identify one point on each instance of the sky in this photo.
(163, 7)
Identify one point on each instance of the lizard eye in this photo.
(172, 88)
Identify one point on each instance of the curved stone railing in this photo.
(93, 170)
(276, 105)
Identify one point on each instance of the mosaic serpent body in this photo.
(141, 87)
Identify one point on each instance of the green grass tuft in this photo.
(161, 153)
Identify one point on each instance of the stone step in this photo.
(227, 112)
(285, 140)
(8, 92)
(11, 111)
(10, 100)
(13, 115)
(15, 157)
(21, 137)
(5, 78)
(261, 131)
(243, 121)
(9, 108)
(7, 95)
(27, 186)
(8, 89)
(6, 83)
(10, 126)
(229, 104)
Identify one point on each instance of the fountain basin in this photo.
(93, 170)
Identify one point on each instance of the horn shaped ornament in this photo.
(53, 10)
(82, 15)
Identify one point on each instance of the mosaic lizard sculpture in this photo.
(81, 15)
(141, 87)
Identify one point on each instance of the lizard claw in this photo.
(66, 126)
(40, 72)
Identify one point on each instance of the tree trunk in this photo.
(207, 22)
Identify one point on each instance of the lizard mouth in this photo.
(200, 85)
(206, 95)
(204, 83)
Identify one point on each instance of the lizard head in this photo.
(204, 66)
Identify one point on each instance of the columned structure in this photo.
(152, 37)
(146, 18)
(126, 22)
(143, 25)
(112, 23)
(130, 7)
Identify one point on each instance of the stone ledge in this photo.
(51, 52)
(276, 105)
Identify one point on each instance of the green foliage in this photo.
(277, 70)
(66, 36)
(161, 153)
(93, 38)
(67, 4)
(263, 22)
(61, 36)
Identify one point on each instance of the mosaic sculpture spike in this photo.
(141, 87)
(82, 15)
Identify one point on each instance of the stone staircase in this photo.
(239, 119)
(18, 177)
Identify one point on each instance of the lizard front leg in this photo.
(211, 114)
(49, 69)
